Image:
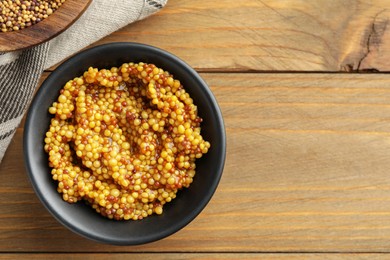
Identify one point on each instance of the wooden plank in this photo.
(269, 35)
(173, 256)
(306, 171)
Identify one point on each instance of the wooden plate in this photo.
(45, 30)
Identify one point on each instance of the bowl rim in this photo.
(29, 164)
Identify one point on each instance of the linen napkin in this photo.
(21, 70)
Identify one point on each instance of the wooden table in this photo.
(306, 100)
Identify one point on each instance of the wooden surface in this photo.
(45, 30)
(306, 100)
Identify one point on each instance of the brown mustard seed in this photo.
(17, 14)
(124, 139)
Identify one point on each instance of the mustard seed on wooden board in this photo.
(16, 14)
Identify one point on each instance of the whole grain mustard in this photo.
(124, 139)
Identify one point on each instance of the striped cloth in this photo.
(21, 70)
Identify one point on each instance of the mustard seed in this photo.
(21, 14)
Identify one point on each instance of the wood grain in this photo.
(193, 256)
(45, 30)
(306, 174)
(306, 171)
(270, 35)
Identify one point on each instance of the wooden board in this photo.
(307, 170)
(193, 256)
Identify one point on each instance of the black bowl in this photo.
(81, 218)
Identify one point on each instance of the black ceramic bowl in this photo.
(81, 218)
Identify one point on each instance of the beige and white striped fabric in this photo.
(21, 70)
